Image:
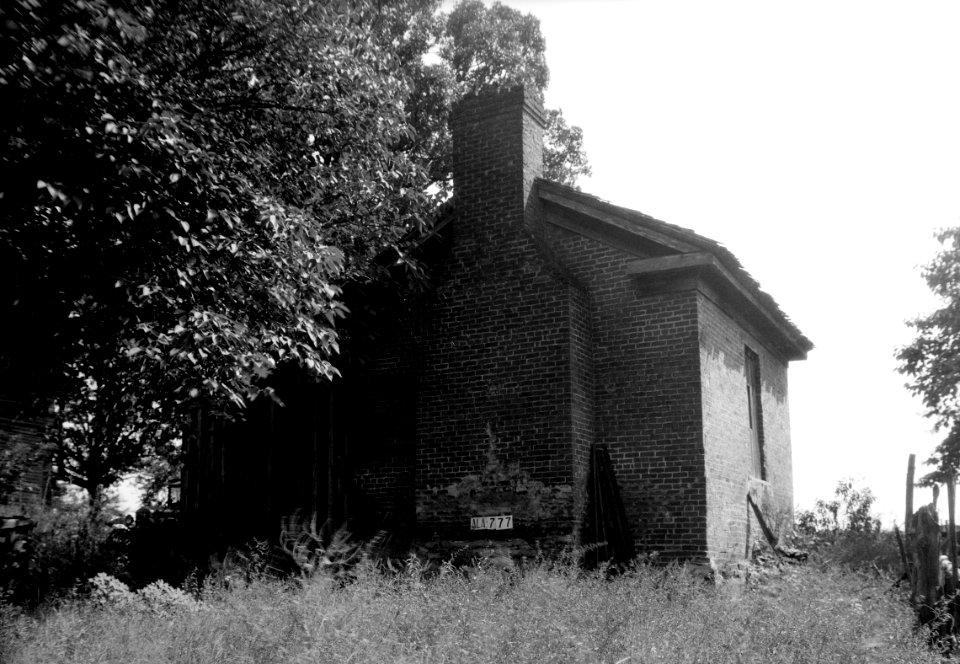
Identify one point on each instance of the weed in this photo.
(542, 614)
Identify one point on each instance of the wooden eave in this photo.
(596, 223)
(669, 253)
(705, 267)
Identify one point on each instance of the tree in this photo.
(494, 48)
(101, 430)
(500, 47)
(849, 511)
(482, 48)
(945, 460)
(932, 360)
(185, 185)
(564, 160)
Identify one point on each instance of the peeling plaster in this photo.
(501, 487)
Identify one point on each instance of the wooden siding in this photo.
(21, 438)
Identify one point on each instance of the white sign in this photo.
(500, 522)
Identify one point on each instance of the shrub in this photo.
(844, 532)
(849, 511)
(158, 598)
(65, 547)
(106, 590)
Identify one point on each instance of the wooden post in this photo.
(927, 583)
(952, 533)
(908, 529)
(909, 515)
(903, 553)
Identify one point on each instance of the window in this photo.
(754, 413)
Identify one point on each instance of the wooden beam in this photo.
(767, 533)
(558, 218)
(673, 262)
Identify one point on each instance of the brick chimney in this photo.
(497, 154)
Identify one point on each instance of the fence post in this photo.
(927, 548)
(905, 566)
(952, 533)
(910, 559)
(909, 515)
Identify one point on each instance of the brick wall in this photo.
(582, 399)
(493, 336)
(732, 527)
(647, 406)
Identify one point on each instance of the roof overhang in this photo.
(588, 218)
(705, 272)
(670, 256)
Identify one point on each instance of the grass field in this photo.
(805, 614)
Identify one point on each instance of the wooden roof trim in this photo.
(601, 215)
(706, 263)
(675, 262)
(626, 242)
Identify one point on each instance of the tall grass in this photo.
(546, 614)
(862, 551)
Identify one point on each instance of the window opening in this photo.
(754, 413)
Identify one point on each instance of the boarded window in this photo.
(754, 413)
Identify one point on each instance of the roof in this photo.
(673, 249)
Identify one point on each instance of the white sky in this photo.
(820, 142)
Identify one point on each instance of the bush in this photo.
(65, 547)
(158, 598)
(843, 532)
(849, 511)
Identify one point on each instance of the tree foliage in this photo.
(492, 48)
(932, 360)
(564, 160)
(186, 185)
(945, 460)
(849, 511)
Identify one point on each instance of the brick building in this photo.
(582, 370)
